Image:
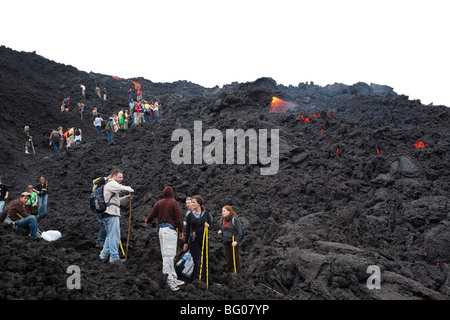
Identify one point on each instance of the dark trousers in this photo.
(229, 258)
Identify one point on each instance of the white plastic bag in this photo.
(51, 235)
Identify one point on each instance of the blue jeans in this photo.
(55, 146)
(111, 245)
(155, 115)
(110, 136)
(30, 222)
(42, 204)
(99, 131)
(147, 116)
(102, 232)
(2, 205)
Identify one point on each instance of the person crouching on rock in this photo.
(18, 214)
(111, 215)
(231, 229)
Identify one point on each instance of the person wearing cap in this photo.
(20, 217)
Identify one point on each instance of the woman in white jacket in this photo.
(111, 215)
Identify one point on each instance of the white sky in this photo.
(401, 43)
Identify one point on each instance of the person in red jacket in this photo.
(170, 221)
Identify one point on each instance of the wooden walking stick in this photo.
(32, 146)
(128, 236)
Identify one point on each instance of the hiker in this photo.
(83, 90)
(126, 116)
(55, 139)
(139, 94)
(111, 128)
(98, 124)
(132, 105)
(157, 112)
(19, 216)
(97, 90)
(147, 112)
(42, 191)
(111, 215)
(3, 195)
(81, 109)
(189, 209)
(32, 204)
(230, 227)
(70, 139)
(61, 138)
(196, 222)
(130, 94)
(78, 136)
(97, 183)
(27, 137)
(139, 115)
(104, 94)
(170, 220)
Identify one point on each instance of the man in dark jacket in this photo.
(170, 220)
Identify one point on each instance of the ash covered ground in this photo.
(352, 189)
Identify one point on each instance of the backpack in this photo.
(185, 264)
(97, 201)
(240, 225)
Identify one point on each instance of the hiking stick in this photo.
(128, 236)
(201, 260)
(207, 277)
(234, 257)
(32, 146)
(121, 247)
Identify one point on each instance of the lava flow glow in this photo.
(136, 84)
(278, 105)
(419, 144)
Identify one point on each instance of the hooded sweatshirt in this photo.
(167, 210)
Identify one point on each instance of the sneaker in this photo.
(118, 261)
(178, 282)
(173, 286)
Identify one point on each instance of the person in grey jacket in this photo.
(111, 215)
(231, 229)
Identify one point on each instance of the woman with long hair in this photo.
(232, 234)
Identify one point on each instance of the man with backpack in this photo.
(111, 215)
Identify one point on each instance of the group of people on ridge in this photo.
(173, 226)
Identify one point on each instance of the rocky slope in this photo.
(352, 189)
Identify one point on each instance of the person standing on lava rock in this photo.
(97, 90)
(170, 222)
(27, 137)
(232, 233)
(111, 216)
(42, 191)
(196, 222)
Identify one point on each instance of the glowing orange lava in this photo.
(278, 105)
